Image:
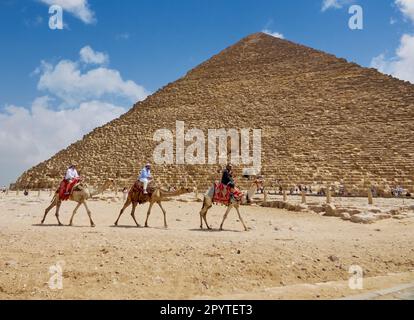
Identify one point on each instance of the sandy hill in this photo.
(323, 120)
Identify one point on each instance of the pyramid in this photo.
(323, 120)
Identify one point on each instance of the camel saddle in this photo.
(137, 192)
(222, 194)
(75, 185)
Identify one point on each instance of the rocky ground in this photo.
(355, 210)
(284, 255)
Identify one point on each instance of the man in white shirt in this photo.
(71, 175)
(145, 177)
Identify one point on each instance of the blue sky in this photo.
(149, 43)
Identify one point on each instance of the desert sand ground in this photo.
(284, 255)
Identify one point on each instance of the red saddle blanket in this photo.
(222, 194)
(137, 192)
(65, 189)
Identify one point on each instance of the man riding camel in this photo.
(71, 178)
(227, 180)
(145, 177)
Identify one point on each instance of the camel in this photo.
(80, 196)
(208, 203)
(156, 196)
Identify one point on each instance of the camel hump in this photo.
(138, 190)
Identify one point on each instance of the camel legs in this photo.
(52, 205)
(134, 206)
(225, 216)
(203, 214)
(74, 213)
(163, 211)
(165, 215)
(241, 219)
(89, 214)
(126, 205)
(238, 212)
(148, 214)
(57, 212)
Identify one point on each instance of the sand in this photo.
(284, 255)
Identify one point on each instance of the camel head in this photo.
(108, 183)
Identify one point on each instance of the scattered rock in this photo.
(301, 207)
(316, 209)
(333, 258)
(158, 279)
(330, 210)
(11, 263)
(394, 212)
(382, 216)
(365, 218)
(400, 217)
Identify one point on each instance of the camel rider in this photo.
(145, 177)
(227, 179)
(70, 176)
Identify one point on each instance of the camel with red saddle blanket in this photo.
(154, 195)
(80, 194)
(219, 194)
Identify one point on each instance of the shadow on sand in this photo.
(48, 225)
(126, 227)
(215, 230)
(59, 226)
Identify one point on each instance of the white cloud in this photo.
(88, 55)
(402, 65)
(406, 7)
(34, 22)
(334, 4)
(67, 81)
(79, 8)
(123, 36)
(29, 136)
(273, 34)
(33, 134)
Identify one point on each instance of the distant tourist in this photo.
(398, 191)
(374, 191)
